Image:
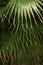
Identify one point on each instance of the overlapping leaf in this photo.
(24, 27)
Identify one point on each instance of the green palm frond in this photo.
(23, 7)
(22, 29)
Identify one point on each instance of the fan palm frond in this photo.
(24, 29)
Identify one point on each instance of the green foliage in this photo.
(21, 29)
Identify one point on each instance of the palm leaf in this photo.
(22, 22)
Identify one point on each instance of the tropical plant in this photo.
(21, 32)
